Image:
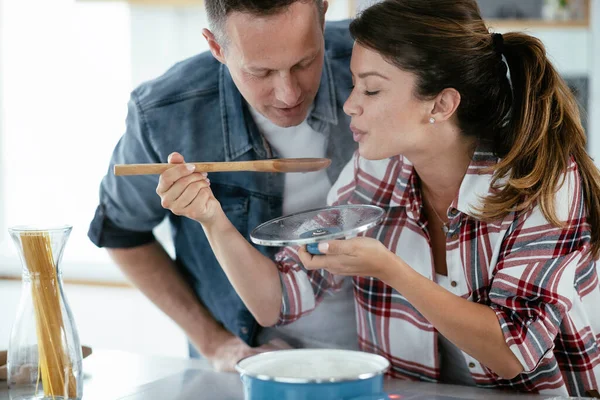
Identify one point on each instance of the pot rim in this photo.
(264, 377)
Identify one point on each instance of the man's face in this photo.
(276, 61)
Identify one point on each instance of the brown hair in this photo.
(218, 10)
(534, 127)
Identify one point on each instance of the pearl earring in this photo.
(432, 120)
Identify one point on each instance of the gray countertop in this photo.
(116, 375)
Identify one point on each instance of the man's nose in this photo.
(287, 90)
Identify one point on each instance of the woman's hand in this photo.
(359, 256)
(187, 193)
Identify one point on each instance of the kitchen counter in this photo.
(116, 375)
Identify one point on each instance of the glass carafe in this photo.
(44, 354)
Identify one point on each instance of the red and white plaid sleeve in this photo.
(533, 287)
(303, 289)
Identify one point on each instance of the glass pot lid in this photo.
(317, 225)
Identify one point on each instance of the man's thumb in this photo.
(175, 158)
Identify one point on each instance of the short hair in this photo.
(218, 10)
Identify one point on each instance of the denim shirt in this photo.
(196, 109)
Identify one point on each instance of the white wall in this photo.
(569, 49)
(66, 81)
(65, 75)
(2, 231)
(162, 36)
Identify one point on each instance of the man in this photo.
(272, 85)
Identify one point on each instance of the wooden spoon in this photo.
(275, 165)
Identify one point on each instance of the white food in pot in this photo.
(314, 364)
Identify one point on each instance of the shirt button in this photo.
(453, 284)
(244, 330)
(471, 365)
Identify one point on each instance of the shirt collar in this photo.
(474, 187)
(237, 137)
(325, 103)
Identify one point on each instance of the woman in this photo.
(483, 271)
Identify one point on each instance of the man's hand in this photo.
(232, 350)
(187, 193)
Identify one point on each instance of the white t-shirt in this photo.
(302, 191)
(333, 323)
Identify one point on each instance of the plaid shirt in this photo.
(540, 280)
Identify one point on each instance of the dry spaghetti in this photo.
(54, 365)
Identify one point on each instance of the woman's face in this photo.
(387, 119)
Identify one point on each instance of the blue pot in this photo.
(310, 374)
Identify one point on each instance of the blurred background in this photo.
(66, 70)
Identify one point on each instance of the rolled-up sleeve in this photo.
(533, 288)
(530, 302)
(129, 207)
(302, 289)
